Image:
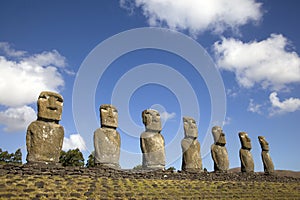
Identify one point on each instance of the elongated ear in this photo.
(242, 159)
(144, 118)
(213, 154)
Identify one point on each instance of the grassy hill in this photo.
(96, 184)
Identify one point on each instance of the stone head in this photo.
(151, 120)
(190, 127)
(245, 140)
(219, 136)
(263, 143)
(50, 106)
(109, 116)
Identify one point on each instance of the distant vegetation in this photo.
(138, 167)
(15, 158)
(73, 157)
(171, 169)
(90, 162)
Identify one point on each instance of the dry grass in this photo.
(84, 187)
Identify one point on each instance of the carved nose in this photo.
(52, 103)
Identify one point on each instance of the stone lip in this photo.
(26, 169)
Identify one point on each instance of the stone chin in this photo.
(222, 139)
(154, 127)
(191, 133)
(111, 123)
(49, 115)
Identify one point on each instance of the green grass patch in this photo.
(84, 187)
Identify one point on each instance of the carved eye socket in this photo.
(114, 111)
(43, 96)
(104, 110)
(59, 99)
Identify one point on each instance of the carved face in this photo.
(109, 115)
(151, 120)
(190, 127)
(216, 131)
(245, 140)
(219, 136)
(263, 143)
(50, 106)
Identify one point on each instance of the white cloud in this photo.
(231, 93)
(267, 62)
(47, 58)
(9, 51)
(75, 141)
(22, 81)
(197, 15)
(253, 107)
(281, 107)
(227, 121)
(16, 119)
(165, 116)
(22, 78)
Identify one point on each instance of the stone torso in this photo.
(44, 142)
(191, 157)
(107, 140)
(153, 149)
(267, 162)
(107, 147)
(247, 163)
(266, 158)
(218, 150)
(220, 157)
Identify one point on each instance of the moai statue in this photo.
(247, 163)
(45, 136)
(152, 142)
(191, 157)
(266, 158)
(107, 140)
(218, 150)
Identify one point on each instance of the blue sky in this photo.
(252, 56)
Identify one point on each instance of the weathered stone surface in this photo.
(218, 150)
(44, 142)
(190, 128)
(191, 157)
(266, 158)
(107, 147)
(107, 140)
(247, 163)
(45, 136)
(151, 120)
(219, 136)
(82, 172)
(220, 158)
(152, 142)
(50, 106)
(109, 116)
